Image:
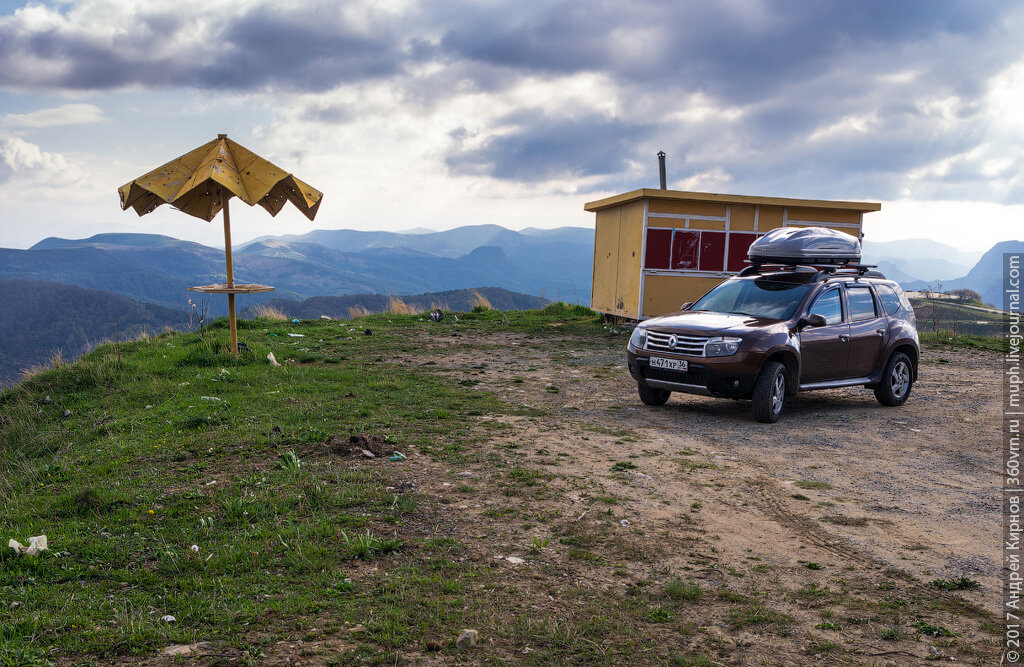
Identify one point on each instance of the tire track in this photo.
(810, 531)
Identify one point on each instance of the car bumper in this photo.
(724, 378)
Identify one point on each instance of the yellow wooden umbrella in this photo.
(202, 181)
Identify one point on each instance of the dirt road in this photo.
(843, 510)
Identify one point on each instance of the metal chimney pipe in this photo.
(661, 169)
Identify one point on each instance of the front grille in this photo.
(692, 346)
(666, 375)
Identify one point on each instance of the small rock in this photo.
(47, 400)
(467, 639)
(624, 523)
(67, 413)
(434, 646)
(15, 605)
(168, 619)
(368, 454)
(326, 317)
(368, 332)
(467, 474)
(514, 560)
(357, 629)
(183, 649)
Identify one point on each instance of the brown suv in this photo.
(765, 335)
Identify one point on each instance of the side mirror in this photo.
(815, 320)
(686, 306)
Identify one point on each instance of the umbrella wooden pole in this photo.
(231, 280)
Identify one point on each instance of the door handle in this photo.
(880, 332)
(844, 338)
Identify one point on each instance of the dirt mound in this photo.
(355, 445)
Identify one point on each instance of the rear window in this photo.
(889, 298)
(862, 304)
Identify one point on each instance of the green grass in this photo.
(966, 341)
(171, 442)
(760, 618)
(958, 584)
(684, 590)
(809, 484)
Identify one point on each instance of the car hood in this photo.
(704, 322)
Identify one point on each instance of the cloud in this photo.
(531, 145)
(460, 102)
(107, 44)
(23, 160)
(67, 114)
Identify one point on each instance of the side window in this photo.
(890, 300)
(829, 306)
(862, 304)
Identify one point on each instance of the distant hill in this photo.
(40, 317)
(450, 243)
(919, 259)
(986, 278)
(157, 269)
(457, 300)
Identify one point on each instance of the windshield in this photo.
(757, 298)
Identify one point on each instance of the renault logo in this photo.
(672, 342)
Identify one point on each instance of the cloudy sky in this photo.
(438, 114)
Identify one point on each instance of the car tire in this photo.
(897, 380)
(769, 392)
(652, 395)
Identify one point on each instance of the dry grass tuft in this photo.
(268, 312)
(397, 306)
(357, 311)
(55, 360)
(479, 301)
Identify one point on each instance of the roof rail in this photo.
(821, 271)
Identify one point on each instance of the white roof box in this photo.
(813, 246)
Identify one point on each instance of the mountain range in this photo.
(40, 319)
(70, 293)
(919, 259)
(157, 269)
(554, 263)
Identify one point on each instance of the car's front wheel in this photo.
(769, 392)
(652, 395)
(897, 379)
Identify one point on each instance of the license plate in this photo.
(671, 364)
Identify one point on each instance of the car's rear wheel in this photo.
(652, 395)
(897, 380)
(769, 392)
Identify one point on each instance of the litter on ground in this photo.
(35, 545)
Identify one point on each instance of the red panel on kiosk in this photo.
(739, 244)
(712, 251)
(659, 249)
(685, 247)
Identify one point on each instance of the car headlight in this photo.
(638, 339)
(722, 347)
